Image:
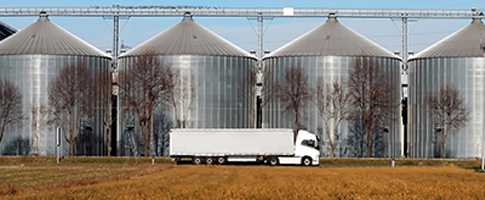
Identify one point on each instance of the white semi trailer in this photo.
(218, 146)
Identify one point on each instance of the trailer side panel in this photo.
(231, 142)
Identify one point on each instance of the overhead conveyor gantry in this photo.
(117, 11)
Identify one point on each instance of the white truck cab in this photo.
(306, 150)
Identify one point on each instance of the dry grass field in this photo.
(141, 180)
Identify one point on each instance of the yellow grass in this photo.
(169, 181)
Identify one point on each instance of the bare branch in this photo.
(146, 84)
(448, 112)
(333, 104)
(10, 106)
(293, 92)
(371, 100)
(182, 97)
(71, 100)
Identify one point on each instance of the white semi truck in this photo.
(219, 146)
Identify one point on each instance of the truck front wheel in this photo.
(273, 161)
(306, 161)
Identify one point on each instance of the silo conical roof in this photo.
(5, 31)
(46, 38)
(466, 42)
(332, 39)
(187, 38)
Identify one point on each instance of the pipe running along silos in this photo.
(32, 59)
(328, 54)
(215, 86)
(456, 61)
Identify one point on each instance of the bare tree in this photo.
(10, 106)
(70, 100)
(163, 124)
(371, 101)
(146, 85)
(181, 98)
(293, 92)
(333, 103)
(254, 77)
(39, 117)
(448, 112)
(105, 87)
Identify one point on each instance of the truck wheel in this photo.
(209, 161)
(273, 161)
(221, 160)
(177, 161)
(306, 161)
(197, 160)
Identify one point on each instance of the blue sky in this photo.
(98, 31)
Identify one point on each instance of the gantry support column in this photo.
(260, 31)
(404, 41)
(115, 52)
(404, 54)
(116, 40)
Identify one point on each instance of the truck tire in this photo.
(306, 161)
(197, 160)
(273, 161)
(177, 161)
(209, 161)
(221, 160)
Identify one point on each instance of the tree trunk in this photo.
(443, 141)
(362, 134)
(438, 145)
(146, 139)
(72, 149)
(296, 123)
(333, 144)
(72, 139)
(331, 139)
(332, 148)
(2, 131)
(370, 142)
(147, 130)
(35, 131)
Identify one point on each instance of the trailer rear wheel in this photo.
(306, 161)
(197, 160)
(221, 160)
(273, 161)
(209, 161)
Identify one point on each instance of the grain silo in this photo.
(217, 76)
(328, 53)
(457, 61)
(32, 59)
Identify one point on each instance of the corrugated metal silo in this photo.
(217, 72)
(31, 59)
(328, 53)
(458, 61)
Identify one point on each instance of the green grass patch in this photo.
(383, 162)
(46, 160)
(324, 162)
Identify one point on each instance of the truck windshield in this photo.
(310, 143)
